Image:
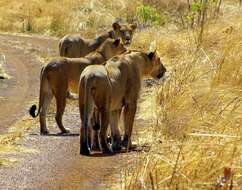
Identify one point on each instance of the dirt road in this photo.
(17, 91)
(55, 162)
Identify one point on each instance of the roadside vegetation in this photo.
(3, 74)
(194, 134)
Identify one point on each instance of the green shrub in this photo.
(149, 14)
(196, 6)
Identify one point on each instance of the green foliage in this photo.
(149, 14)
(196, 7)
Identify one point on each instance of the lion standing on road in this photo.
(111, 88)
(61, 75)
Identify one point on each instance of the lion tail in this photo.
(32, 110)
(43, 82)
(88, 103)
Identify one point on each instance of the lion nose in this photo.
(128, 39)
(127, 42)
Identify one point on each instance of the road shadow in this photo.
(134, 148)
(137, 148)
(100, 154)
(57, 134)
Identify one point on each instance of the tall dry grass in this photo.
(196, 140)
(53, 17)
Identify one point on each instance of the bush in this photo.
(149, 14)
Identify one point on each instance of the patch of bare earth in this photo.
(49, 162)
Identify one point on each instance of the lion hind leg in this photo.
(60, 95)
(47, 97)
(95, 140)
(95, 121)
(128, 117)
(86, 106)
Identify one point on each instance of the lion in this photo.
(74, 46)
(61, 75)
(110, 89)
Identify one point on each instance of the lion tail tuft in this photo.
(32, 111)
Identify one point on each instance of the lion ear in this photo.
(153, 46)
(116, 26)
(116, 42)
(151, 55)
(133, 26)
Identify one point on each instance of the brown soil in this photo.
(57, 163)
(24, 69)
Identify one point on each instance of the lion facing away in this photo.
(111, 88)
(61, 75)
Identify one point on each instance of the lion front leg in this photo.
(128, 117)
(60, 96)
(46, 102)
(84, 134)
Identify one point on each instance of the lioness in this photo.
(75, 46)
(111, 88)
(62, 74)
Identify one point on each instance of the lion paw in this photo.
(66, 130)
(85, 150)
(116, 146)
(107, 149)
(96, 147)
(44, 132)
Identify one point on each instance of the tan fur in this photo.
(75, 46)
(63, 74)
(111, 88)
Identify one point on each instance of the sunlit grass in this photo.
(59, 18)
(3, 74)
(7, 162)
(197, 141)
(9, 141)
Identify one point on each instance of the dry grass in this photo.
(196, 141)
(9, 141)
(3, 74)
(53, 17)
